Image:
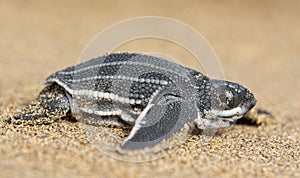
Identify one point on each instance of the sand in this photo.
(257, 44)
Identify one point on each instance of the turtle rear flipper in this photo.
(51, 104)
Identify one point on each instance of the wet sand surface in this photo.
(257, 44)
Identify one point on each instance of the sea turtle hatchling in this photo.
(155, 96)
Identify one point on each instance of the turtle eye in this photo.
(232, 99)
(227, 100)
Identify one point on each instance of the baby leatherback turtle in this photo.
(155, 96)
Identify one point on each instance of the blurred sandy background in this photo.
(257, 43)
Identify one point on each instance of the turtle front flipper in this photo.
(163, 119)
(51, 104)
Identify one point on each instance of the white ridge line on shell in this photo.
(101, 113)
(127, 118)
(142, 80)
(96, 94)
(121, 63)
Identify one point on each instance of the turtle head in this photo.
(229, 100)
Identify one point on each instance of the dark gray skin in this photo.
(169, 103)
